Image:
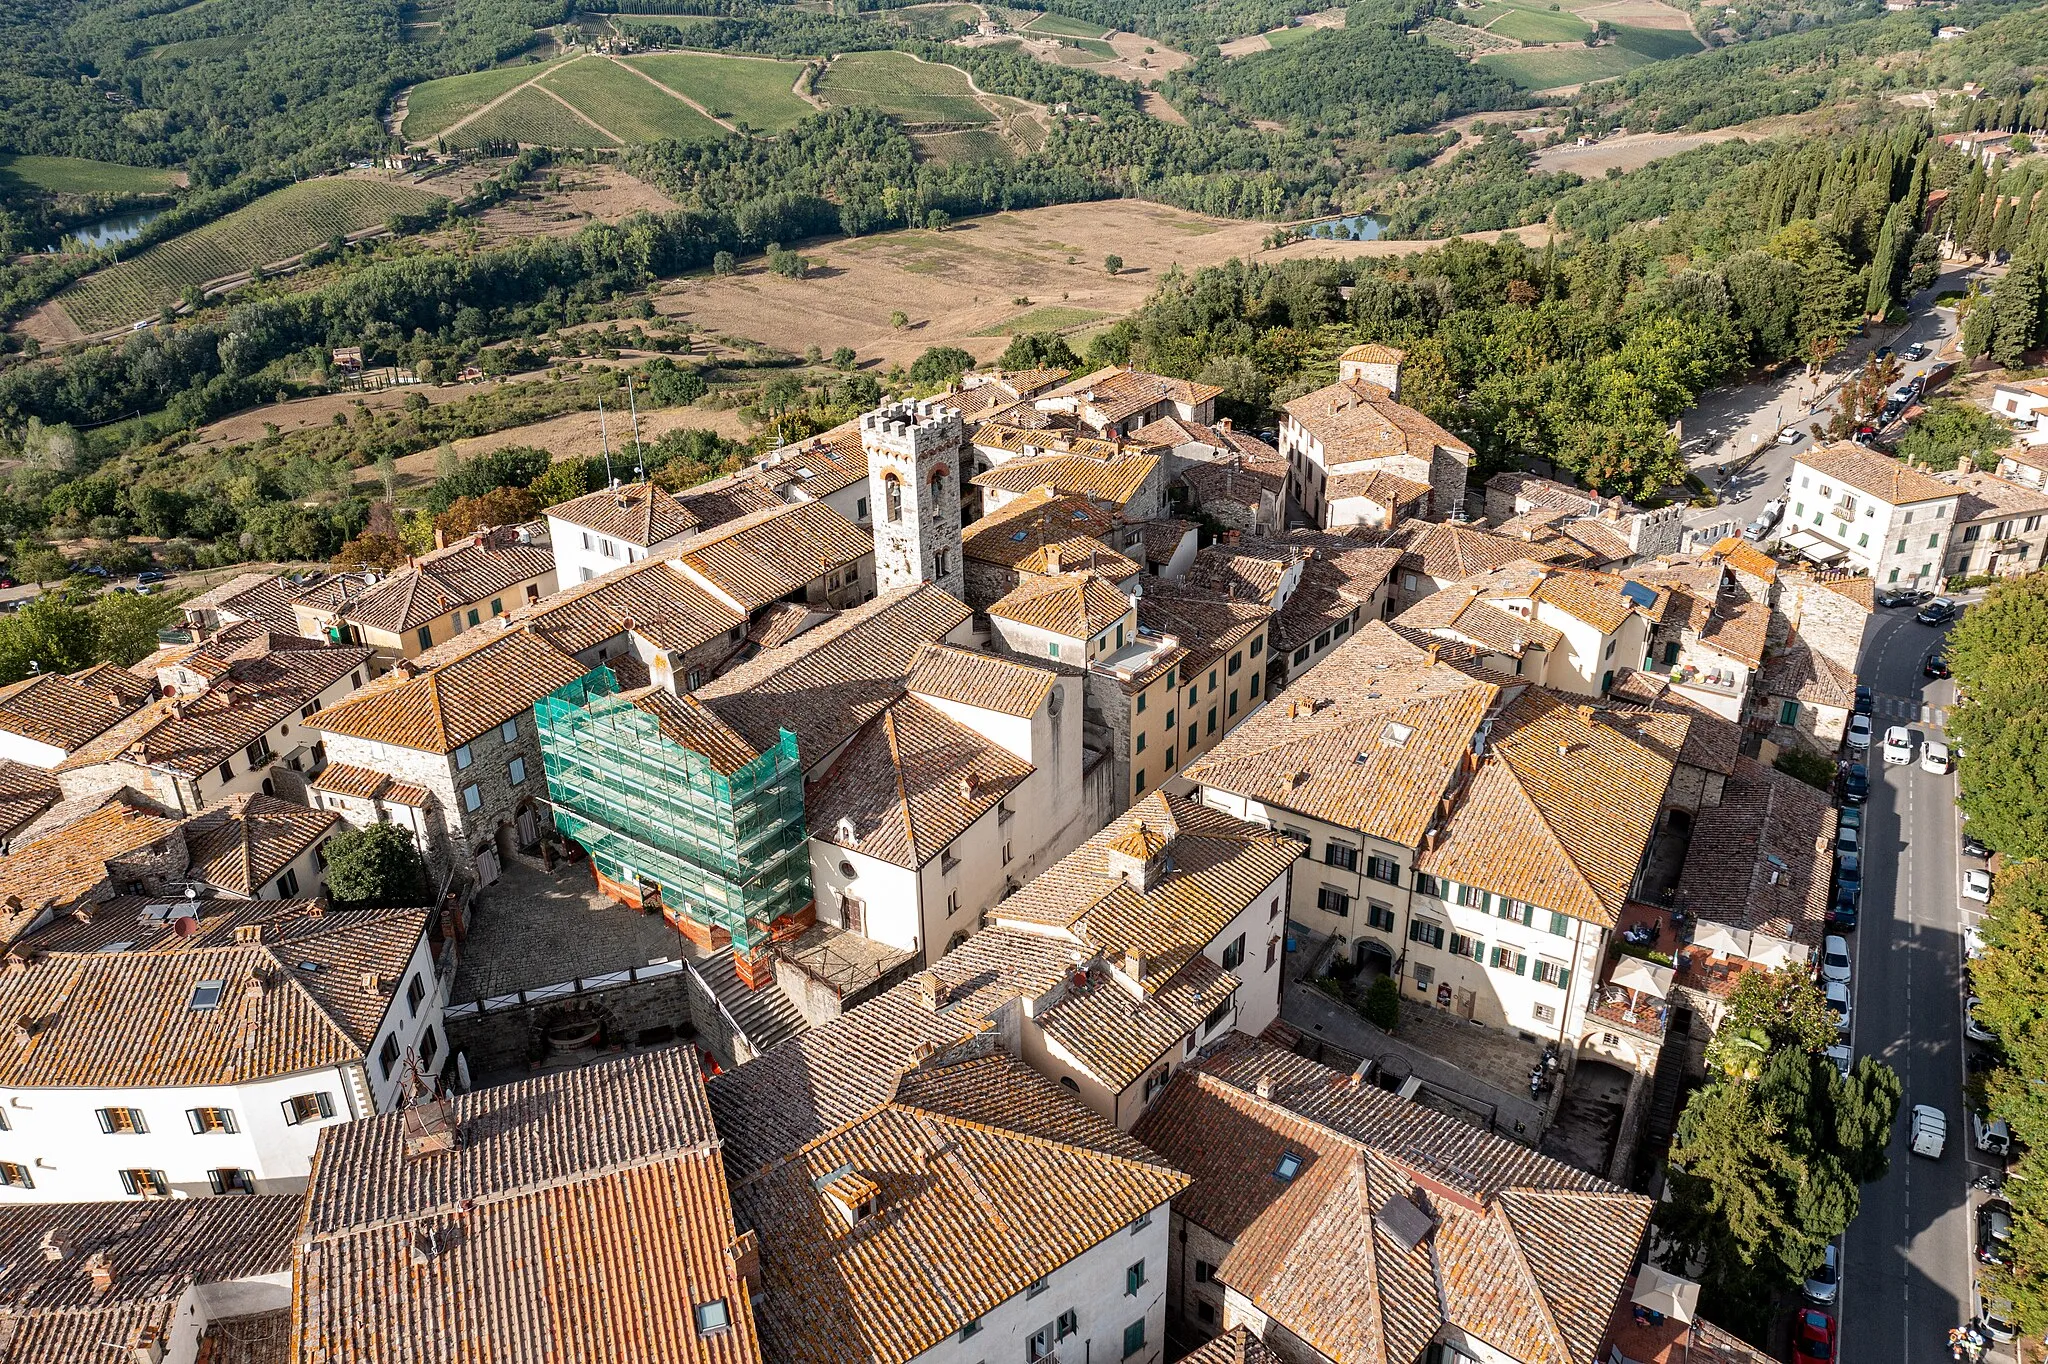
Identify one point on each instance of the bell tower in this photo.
(916, 453)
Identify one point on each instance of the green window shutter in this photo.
(1479, 951)
(1560, 924)
(1564, 979)
(1521, 964)
(1528, 916)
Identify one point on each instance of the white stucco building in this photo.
(1855, 508)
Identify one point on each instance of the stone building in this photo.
(1359, 455)
(915, 457)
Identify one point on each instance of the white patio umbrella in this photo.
(1773, 953)
(1676, 1298)
(1720, 939)
(1637, 976)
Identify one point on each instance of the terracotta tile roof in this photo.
(820, 1080)
(832, 679)
(1252, 571)
(995, 389)
(642, 514)
(1220, 865)
(1115, 480)
(1762, 859)
(106, 677)
(192, 735)
(124, 1019)
(1117, 1038)
(1445, 550)
(1601, 600)
(1235, 1346)
(1373, 353)
(583, 1215)
(1371, 742)
(727, 499)
(1737, 627)
(1161, 539)
(364, 784)
(911, 781)
(1377, 486)
(971, 1212)
(970, 677)
(263, 597)
(1861, 590)
(472, 684)
(64, 712)
(68, 864)
(1887, 479)
(458, 576)
(2026, 456)
(1801, 673)
(770, 554)
(25, 792)
(1018, 534)
(52, 1311)
(685, 721)
(1022, 432)
(1518, 1251)
(1228, 441)
(1461, 610)
(1358, 420)
(1119, 391)
(815, 466)
(1671, 725)
(241, 845)
(1558, 813)
(1072, 605)
(1672, 1341)
(1986, 497)
(653, 596)
(1207, 627)
(1242, 482)
(1738, 553)
(1538, 491)
(781, 623)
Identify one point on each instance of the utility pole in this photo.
(604, 435)
(633, 407)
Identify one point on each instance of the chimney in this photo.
(933, 991)
(1264, 1088)
(1052, 558)
(17, 964)
(1223, 425)
(102, 1270)
(1134, 964)
(756, 969)
(967, 785)
(59, 1244)
(440, 538)
(745, 1255)
(25, 1029)
(249, 933)
(145, 1346)
(1434, 650)
(1965, 465)
(372, 983)
(252, 991)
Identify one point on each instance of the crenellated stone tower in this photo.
(916, 453)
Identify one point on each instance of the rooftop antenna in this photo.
(605, 435)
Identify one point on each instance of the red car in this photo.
(1816, 1336)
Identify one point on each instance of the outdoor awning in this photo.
(1720, 939)
(1644, 977)
(1773, 953)
(1676, 1298)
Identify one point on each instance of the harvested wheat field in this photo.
(962, 286)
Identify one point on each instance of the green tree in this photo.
(38, 562)
(1038, 350)
(1947, 431)
(843, 357)
(565, 479)
(376, 865)
(55, 638)
(125, 625)
(1113, 263)
(940, 365)
(724, 263)
(1382, 1006)
(2016, 314)
(1999, 653)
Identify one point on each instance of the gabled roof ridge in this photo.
(320, 1007)
(896, 770)
(1498, 1215)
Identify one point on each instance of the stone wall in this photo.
(1830, 623)
(505, 1041)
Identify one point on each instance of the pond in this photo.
(1358, 227)
(122, 227)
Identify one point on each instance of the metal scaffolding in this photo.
(727, 851)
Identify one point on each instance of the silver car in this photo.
(1823, 1282)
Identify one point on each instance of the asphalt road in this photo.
(1730, 424)
(1906, 1267)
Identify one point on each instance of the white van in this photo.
(1930, 1131)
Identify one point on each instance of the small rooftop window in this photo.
(114, 947)
(712, 1316)
(206, 994)
(1639, 594)
(1288, 1168)
(1397, 735)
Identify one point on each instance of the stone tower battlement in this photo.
(912, 430)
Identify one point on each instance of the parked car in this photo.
(1914, 352)
(1843, 1057)
(1774, 509)
(1791, 435)
(1929, 1131)
(1890, 412)
(1855, 784)
(1973, 942)
(1822, 1283)
(1816, 1337)
(1976, 1031)
(1992, 1136)
(1849, 873)
(149, 575)
(1934, 757)
(2000, 1321)
(1866, 699)
(1934, 666)
(1849, 819)
(1977, 884)
(1756, 530)
(1898, 745)
(1974, 846)
(1994, 1232)
(1860, 730)
(1848, 837)
(1834, 958)
(1842, 909)
(1836, 995)
(1940, 611)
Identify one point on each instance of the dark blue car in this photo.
(1855, 784)
(1842, 909)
